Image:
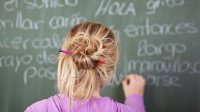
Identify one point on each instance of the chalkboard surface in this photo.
(159, 39)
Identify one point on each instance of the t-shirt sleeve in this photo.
(135, 101)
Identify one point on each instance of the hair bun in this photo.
(85, 55)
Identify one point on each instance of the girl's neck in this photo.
(96, 94)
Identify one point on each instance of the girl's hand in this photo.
(133, 84)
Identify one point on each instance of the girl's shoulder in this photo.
(52, 103)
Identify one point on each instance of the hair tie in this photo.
(64, 51)
(101, 62)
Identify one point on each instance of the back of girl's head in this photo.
(80, 74)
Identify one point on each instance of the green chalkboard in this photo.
(159, 39)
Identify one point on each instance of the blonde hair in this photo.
(80, 74)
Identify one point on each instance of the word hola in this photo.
(116, 8)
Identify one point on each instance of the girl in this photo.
(86, 63)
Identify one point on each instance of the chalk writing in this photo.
(52, 42)
(15, 62)
(115, 8)
(163, 80)
(21, 22)
(150, 28)
(159, 66)
(152, 80)
(153, 5)
(12, 5)
(166, 50)
(32, 4)
(41, 72)
(116, 79)
(57, 22)
(44, 58)
(44, 43)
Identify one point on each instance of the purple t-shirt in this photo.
(59, 103)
